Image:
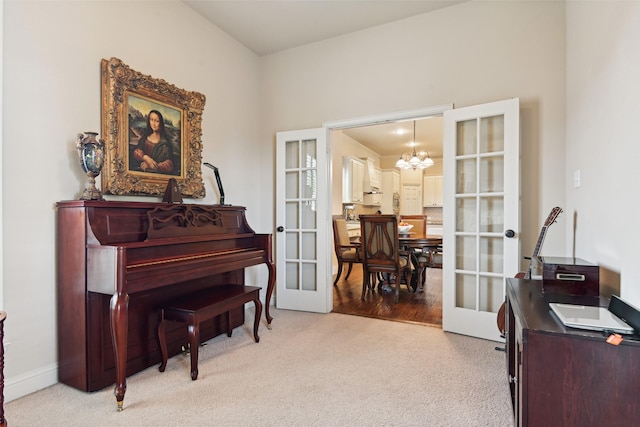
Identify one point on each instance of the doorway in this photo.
(481, 204)
(377, 139)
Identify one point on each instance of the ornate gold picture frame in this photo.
(153, 133)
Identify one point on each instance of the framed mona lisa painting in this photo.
(152, 133)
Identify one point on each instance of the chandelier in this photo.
(415, 160)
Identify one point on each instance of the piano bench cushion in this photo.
(204, 305)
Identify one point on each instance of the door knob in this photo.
(280, 229)
(509, 233)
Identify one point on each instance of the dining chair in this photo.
(419, 223)
(346, 251)
(381, 252)
(421, 255)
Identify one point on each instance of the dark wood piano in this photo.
(119, 262)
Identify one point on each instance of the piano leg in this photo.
(119, 330)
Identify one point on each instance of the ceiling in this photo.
(384, 139)
(270, 26)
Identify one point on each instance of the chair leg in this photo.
(378, 280)
(349, 271)
(421, 278)
(365, 283)
(163, 343)
(339, 273)
(424, 278)
(256, 320)
(194, 342)
(396, 296)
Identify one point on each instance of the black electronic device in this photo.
(568, 276)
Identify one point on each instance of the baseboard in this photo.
(22, 385)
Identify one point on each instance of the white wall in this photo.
(603, 137)
(52, 55)
(467, 54)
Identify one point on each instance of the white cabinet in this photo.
(373, 199)
(432, 190)
(377, 178)
(434, 230)
(372, 176)
(353, 229)
(352, 180)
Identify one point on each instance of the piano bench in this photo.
(205, 305)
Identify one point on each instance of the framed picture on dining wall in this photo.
(152, 131)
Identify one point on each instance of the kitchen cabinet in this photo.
(372, 176)
(390, 192)
(432, 190)
(352, 180)
(377, 177)
(373, 199)
(353, 230)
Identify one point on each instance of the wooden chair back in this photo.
(340, 233)
(379, 242)
(419, 223)
(346, 252)
(380, 249)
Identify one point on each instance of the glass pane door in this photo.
(479, 203)
(301, 167)
(483, 204)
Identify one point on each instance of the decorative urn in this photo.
(91, 154)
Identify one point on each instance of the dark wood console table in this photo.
(563, 376)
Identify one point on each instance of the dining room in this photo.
(412, 297)
(368, 178)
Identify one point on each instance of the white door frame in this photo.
(376, 119)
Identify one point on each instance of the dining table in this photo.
(426, 243)
(416, 240)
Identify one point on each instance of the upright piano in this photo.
(118, 263)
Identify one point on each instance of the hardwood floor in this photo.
(422, 307)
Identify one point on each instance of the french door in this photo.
(303, 222)
(481, 214)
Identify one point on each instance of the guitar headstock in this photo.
(553, 216)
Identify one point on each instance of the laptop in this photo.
(589, 317)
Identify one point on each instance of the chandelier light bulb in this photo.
(414, 160)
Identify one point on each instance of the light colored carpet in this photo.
(309, 370)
